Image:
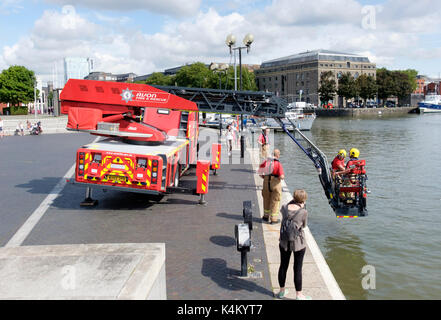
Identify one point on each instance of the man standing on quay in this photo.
(271, 171)
(263, 141)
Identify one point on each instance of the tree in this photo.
(248, 79)
(158, 78)
(327, 87)
(196, 75)
(386, 84)
(403, 85)
(17, 85)
(366, 86)
(412, 74)
(346, 86)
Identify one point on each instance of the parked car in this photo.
(389, 104)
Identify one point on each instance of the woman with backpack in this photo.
(292, 239)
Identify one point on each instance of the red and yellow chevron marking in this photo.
(347, 217)
(149, 172)
(204, 180)
(202, 173)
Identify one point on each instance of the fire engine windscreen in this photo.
(84, 118)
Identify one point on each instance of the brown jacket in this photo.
(300, 220)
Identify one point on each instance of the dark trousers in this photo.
(284, 264)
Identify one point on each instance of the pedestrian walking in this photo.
(230, 138)
(292, 239)
(1, 128)
(271, 171)
(21, 127)
(264, 142)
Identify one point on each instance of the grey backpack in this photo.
(289, 230)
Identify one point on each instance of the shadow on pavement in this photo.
(236, 217)
(216, 269)
(223, 241)
(40, 186)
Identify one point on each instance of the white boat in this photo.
(432, 103)
(212, 120)
(302, 121)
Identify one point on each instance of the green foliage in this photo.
(403, 84)
(396, 83)
(19, 111)
(412, 74)
(385, 83)
(158, 78)
(347, 87)
(17, 85)
(196, 75)
(366, 87)
(327, 86)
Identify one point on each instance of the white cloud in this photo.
(165, 7)
(10, 6)
(280, 29)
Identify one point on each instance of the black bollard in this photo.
(243, 244)
(243, 264)
(242, 146)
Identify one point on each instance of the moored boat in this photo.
(432, 103)
(302, 121)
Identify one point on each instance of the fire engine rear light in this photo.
(81, 155)
(81, 167)
(154, 174)
(155, 169)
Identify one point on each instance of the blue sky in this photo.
(144, 36)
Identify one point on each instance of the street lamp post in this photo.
(220, 69)
(247, 41)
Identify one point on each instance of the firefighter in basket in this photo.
(350, 179)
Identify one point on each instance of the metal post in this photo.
(240, 68)
(220, 125)
(202, 199)
(35, 100)
(235, 72)
(243, 263)
(89, 202)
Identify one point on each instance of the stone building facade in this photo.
(296, 77)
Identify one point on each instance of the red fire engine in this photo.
(151, 136)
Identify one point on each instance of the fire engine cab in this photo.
(151, 136)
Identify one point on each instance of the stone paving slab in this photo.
(92, 271)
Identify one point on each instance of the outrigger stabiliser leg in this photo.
(88, 201)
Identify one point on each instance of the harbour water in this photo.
(401, 237)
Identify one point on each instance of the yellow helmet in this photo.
(342, 152)
(354, 153)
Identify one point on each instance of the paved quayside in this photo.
(201, 259)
